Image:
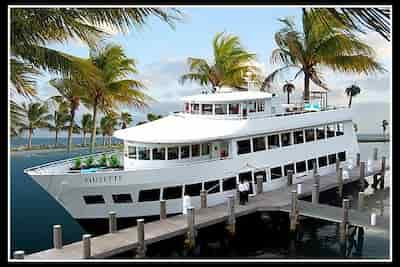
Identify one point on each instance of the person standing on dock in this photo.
(247, 191)
(242, 192)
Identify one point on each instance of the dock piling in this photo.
(112, 222)
(362, 175)
(190, 235)
(383, 170)
(203, 199)
(163, 209)
(315, 193)
(290, 177)
(345, 221)
(361, 200)
(231, 222)
(315, 174)
(86, 245)
(358, 159)
(141, 248)
(57, 236)
(339, 176)
(293, 213)
(19, 255)
(259, 180)
(375, 153)
(337, 165)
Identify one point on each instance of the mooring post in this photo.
(315, 174)
(57, 236)
(112, 222)
(290, 177)
(203, 199)
(190, 235)
(19, 255)
(231, 222)
(86, 245)
(345, 221)
(375, 153)
(339, 176)
(361, 200)
(383, 170)
(315, 194)
(337, 165)
(358, 159)
(259, 180)
(293, 213)
(163, 209)
(362, 175)
(141, 248)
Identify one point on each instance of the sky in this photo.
(161, 54)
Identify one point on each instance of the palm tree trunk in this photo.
(84, 138)
(306, 87)
(288, 98)
(55, 145)
(71, 125)
(104, 140)
(109, 138)
(351, 97)
(30, 139)
(93, 136)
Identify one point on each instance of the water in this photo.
(22, 141)
(34, 212)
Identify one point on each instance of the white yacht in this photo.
(218, 139)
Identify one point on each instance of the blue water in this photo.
(22, 141)
(34, 212)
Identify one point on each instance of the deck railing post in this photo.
(383, 171)
(290, 177)
(345, 221)
(19, 255)
(361, 200)
(375, 153)
(231, 222)
(358, 159)
(86, 245)
(112, 222)
(339, 176)
(57, 236)
(362, 175)
(259, 180)
(293, 213)
(203, 199)
(190, 235)
(163, 209)
(141, 248)
(315, 194)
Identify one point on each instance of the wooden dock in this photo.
(124, 240)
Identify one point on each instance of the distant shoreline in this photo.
(44, 150)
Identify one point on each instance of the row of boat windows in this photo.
(168, 153)
(224, 109)
(212, 187)
(289, 138)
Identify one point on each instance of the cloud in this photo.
(382, 48)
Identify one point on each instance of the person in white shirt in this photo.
(247, 191)
(242, 192)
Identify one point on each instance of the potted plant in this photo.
(77, 164)
(114, 161)
(103, 161)
(89, 162)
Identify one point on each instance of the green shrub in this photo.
(77, 163)
(114, 162)
(103, 161)
(89, 161)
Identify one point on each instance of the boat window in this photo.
(94, 199)
(340, 129)
(330, 130)
(286, 139)
(224, 150)
(310, 135)
(260, 106)
(321, 132)
(252, 106)
(311, 163)
(144, 153)
(258, 143)
(172, 192)
(300, 166)
(221, 109)
(342, 156)
(122, 198)
(159, 153)
(212, 184)
(273, 141)
(149, 195)
(195, 108)
(173, 153)
(298, 137)
(229, 183)
(322, 161)
(187, 107)
(185, 152)
(196, 150)
(243, 147)
(332, 158)
(132, 152)
(207, 109)
(205, 149)
(276, 172)
(288, 167)
(262, 173)
(193, 189)
(233, 108)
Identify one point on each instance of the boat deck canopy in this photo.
(227, 97)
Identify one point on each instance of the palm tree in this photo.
(34, 28)
(385, 124)
(36, 116)
(111, 86)
(230, 64)
(60, 118)
(16, 117)
(107, 126)
(319, 45)
(153, 117)
(355, 126)
(352, 91)
(126, 119)
(87, 125)
(288, 88)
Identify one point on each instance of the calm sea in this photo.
(34, 212)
